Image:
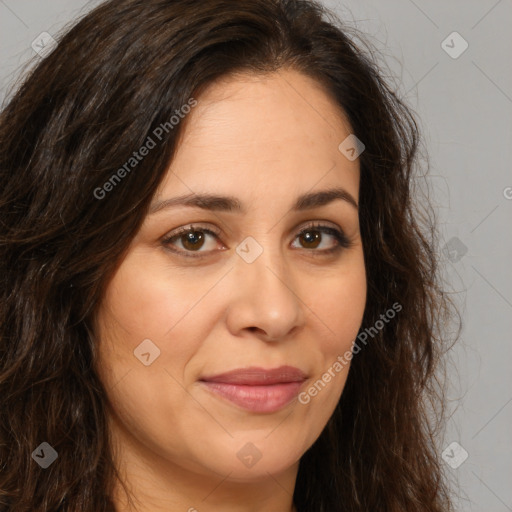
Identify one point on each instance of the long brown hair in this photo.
(117, 75)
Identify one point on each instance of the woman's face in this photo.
(272, 275)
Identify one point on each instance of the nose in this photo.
(264, 299)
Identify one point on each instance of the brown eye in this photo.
(310, 239)
(321, 239)
(192, 240)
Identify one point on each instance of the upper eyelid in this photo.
(190, 227)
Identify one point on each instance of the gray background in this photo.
(465, 107)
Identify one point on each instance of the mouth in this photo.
(257, 389)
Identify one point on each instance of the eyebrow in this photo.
(213, 202)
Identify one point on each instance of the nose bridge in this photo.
(265, 297)
(267, 272)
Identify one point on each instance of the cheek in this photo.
(150, 308)
(139, 306)
(144, 302)
(338, 308)
(139, 301)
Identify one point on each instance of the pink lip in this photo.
(258, 389)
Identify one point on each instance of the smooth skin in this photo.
(264, 140)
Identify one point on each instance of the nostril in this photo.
(258, 330)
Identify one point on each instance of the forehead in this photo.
(272, 134)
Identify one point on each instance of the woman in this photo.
(216, 291)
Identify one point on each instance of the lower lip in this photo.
(270, 398)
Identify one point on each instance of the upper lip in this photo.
(254, 376)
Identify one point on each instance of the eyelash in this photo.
(342, 241)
